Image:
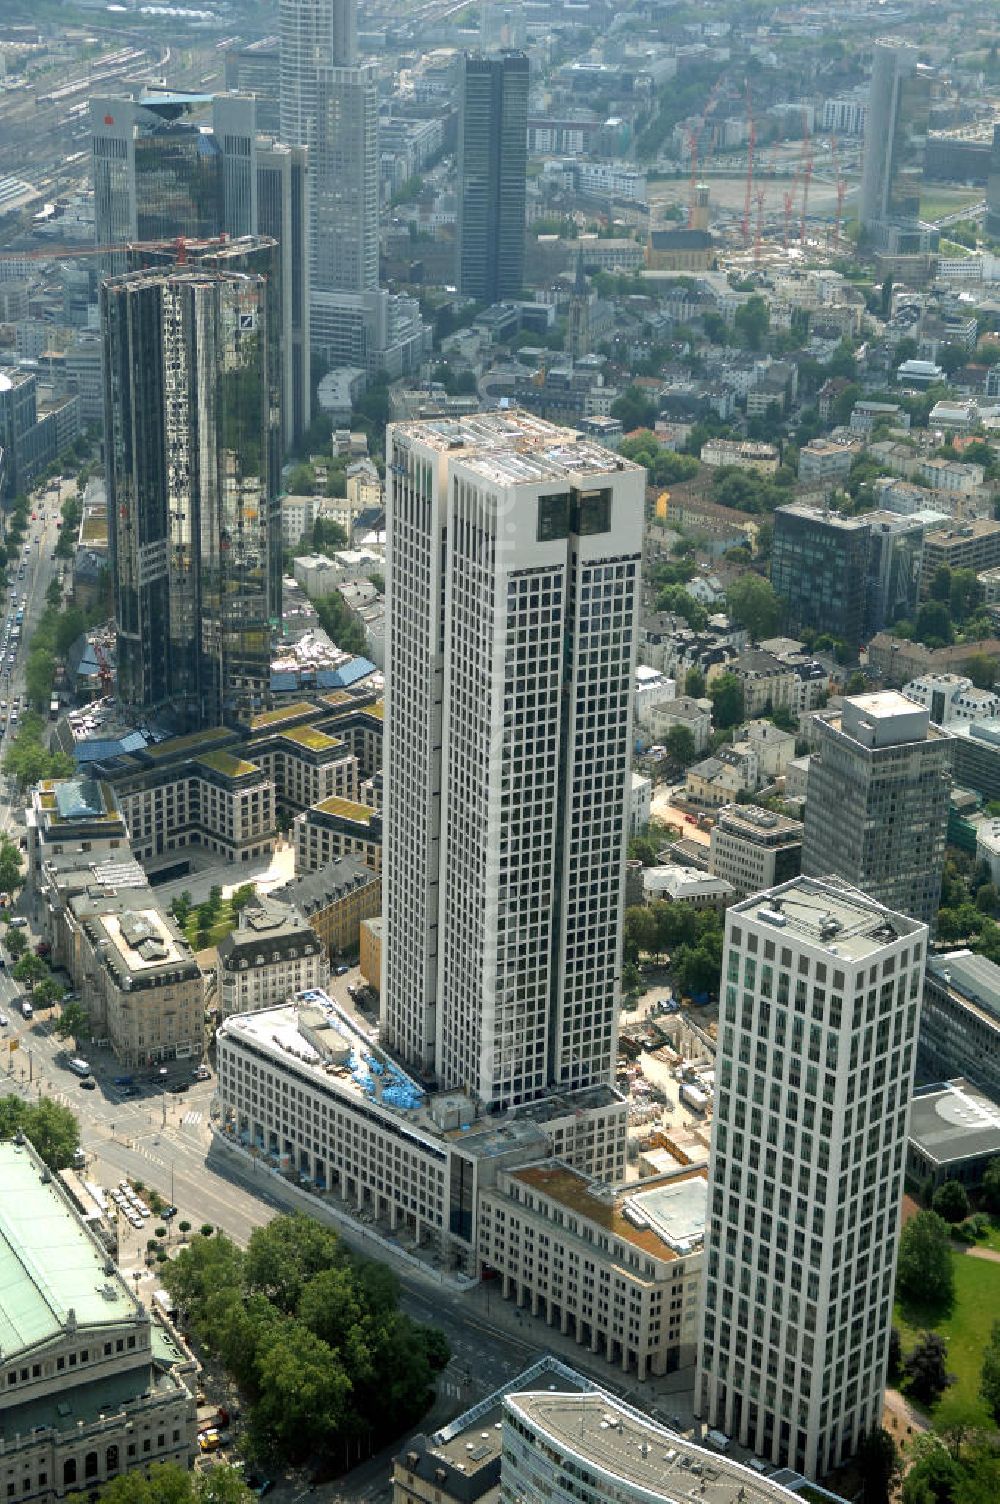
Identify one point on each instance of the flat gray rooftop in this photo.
(828, 915)
(618, 1442)
(972, 977)
(952, 1121)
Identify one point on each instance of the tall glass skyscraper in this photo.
(895, 141)
(193, 165)
(492, 176)
(192, 425)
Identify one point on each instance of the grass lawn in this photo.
(965, 1329)
(935, 203)
(223, 924)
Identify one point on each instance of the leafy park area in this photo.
(205, 924)
(167, 1483)
(692, 937)
(328, 1367)
(945, 1356)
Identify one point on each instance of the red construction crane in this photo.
(748, 195)
(104, 673)
(807, 153)
(758, 236)
(180, 244)
(841, 190)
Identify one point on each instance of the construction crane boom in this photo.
(807, 169)
(180, 244)
(748, 195)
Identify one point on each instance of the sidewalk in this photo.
(670, 1397)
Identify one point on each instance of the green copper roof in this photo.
(49, 1264)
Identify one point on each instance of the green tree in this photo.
(52, 1128)
(30, 969)
(73, 1022)
(245, 894)
(304, 1394)
(46, 992)
(981, 669)
(926, 1369)
(631, 979)
(726, 694)
(933, 1477)
(754, 605)
(11, 875)
(282, 1256)
(302, 481)
(679, 742)
(16, 943)
(71, 625)
(878, 1464)
(924, 1273)
(694, 683)
(633, 409)
(39, 677)
(752, 321)
(991, 1186)
(328, 537)
(340, 623)
(933, 625)
(989, 1383)
(180, 907)
(951, 1200)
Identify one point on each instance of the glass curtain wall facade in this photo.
(192, 419)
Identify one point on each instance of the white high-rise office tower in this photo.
(512, 591)
(329, 103)
(818, 1026)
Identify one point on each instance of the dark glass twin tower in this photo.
(193, 453)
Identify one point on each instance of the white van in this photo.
(79, 1067)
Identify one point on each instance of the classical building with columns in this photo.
(618, 1269)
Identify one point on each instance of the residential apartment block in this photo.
(817, 1044)
(951, 698)
(144, 990)
(92, 1385)
(336, 900)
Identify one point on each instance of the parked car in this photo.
(178, 1087)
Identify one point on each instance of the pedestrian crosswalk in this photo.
(193, 1118)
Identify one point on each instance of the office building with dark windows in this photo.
(877, 801)
(896, 125)
(492, 174)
